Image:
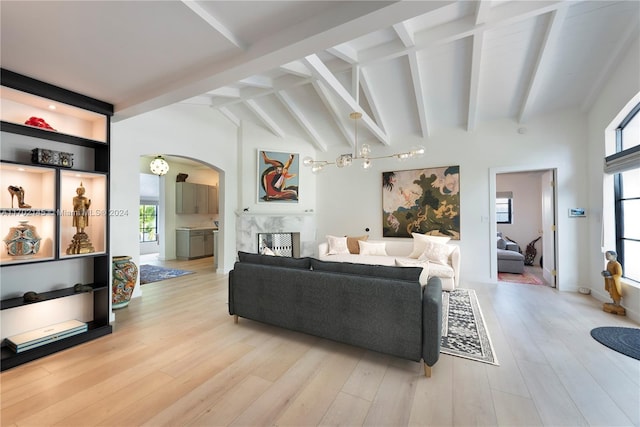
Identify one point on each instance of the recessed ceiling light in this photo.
(52, 107)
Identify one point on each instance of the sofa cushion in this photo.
(502, 244)
(440, 270)
(411, 274)
(419, 241)
(512, 255)
(372, 248)
(337, 245)
(353, 245)
(280, 261)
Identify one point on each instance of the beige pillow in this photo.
(436, 252)
(337, 245)
(419, 242)
(352, 243)
(372, 248)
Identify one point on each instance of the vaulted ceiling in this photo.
(298, 68)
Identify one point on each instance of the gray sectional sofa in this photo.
(510, 258)
(380, 308)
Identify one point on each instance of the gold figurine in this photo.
(80, 243)
(612, 276)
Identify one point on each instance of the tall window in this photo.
(626, 162)
(148, 223)
(504, 207)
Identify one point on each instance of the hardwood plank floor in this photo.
(176, 358)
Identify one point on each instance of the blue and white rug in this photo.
(464, 333)
(154, 273)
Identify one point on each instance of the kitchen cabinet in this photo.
(196, 198)
(194, 243)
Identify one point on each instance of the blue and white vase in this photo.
(22, 241)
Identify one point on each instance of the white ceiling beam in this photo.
(474, 81)
(322, 73)
(344, 52)
(214, 23)
(296, 68)
(355, 83)
(258, 81)
(297, 113)
(265, 118)
(482, 11)
(541, 66)
(340, 23)
(229, 115)
(227, 92)
(416, 78)
(365, 82)
(508, 14)
(405, 34)
(332, 108)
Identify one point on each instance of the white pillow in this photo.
(424, 276)
(372, 248)
(337, 245)
(419, 242)
(436, 252)
(268, 251)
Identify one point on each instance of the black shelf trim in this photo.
(9, 359)
(46, 90)
(46, 296)
(49, 135)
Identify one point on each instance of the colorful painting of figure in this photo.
(278, 175)
(425, 201)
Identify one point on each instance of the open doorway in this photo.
(524, 217)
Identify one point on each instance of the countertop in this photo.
(197, 228)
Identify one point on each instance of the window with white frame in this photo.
(625, 165)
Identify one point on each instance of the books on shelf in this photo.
(48, 334)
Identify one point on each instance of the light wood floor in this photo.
(176, 358)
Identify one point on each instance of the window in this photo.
(504, 208)
(626, 166)
(148, 223)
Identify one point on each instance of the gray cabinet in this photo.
(196, 198)
(195, 243)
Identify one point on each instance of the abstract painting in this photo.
(278, 176)
(425, 201)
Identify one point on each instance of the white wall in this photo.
(193, 131)
(349, 200)
(623, 85)
(527, 208)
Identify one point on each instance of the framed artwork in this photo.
(425, 201)
(278, 176)
(577, 212)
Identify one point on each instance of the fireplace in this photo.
(300, 226)
(282, 244)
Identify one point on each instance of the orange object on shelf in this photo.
(38, 122)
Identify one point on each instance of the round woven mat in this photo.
(622, 340)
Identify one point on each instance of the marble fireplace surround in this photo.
(249, 224)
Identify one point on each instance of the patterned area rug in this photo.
(153, 273)
(524, 278)
(464, 333)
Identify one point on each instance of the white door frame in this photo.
(493, 228)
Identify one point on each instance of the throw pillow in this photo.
(436, 252)
(502, 244)
(352, 243)
(337, 245)
(419, 242)
(268, 251)
(424, 275)
(372, 248)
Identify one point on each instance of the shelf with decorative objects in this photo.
(54, 217)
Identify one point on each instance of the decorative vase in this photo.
(125, 275)
(22, 241)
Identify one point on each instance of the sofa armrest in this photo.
(454, 260)
(512, 246)
(431, 320)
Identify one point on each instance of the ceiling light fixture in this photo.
(159, 166)
(363, 155)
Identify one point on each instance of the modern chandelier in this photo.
(159, 166)
(363, 155)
